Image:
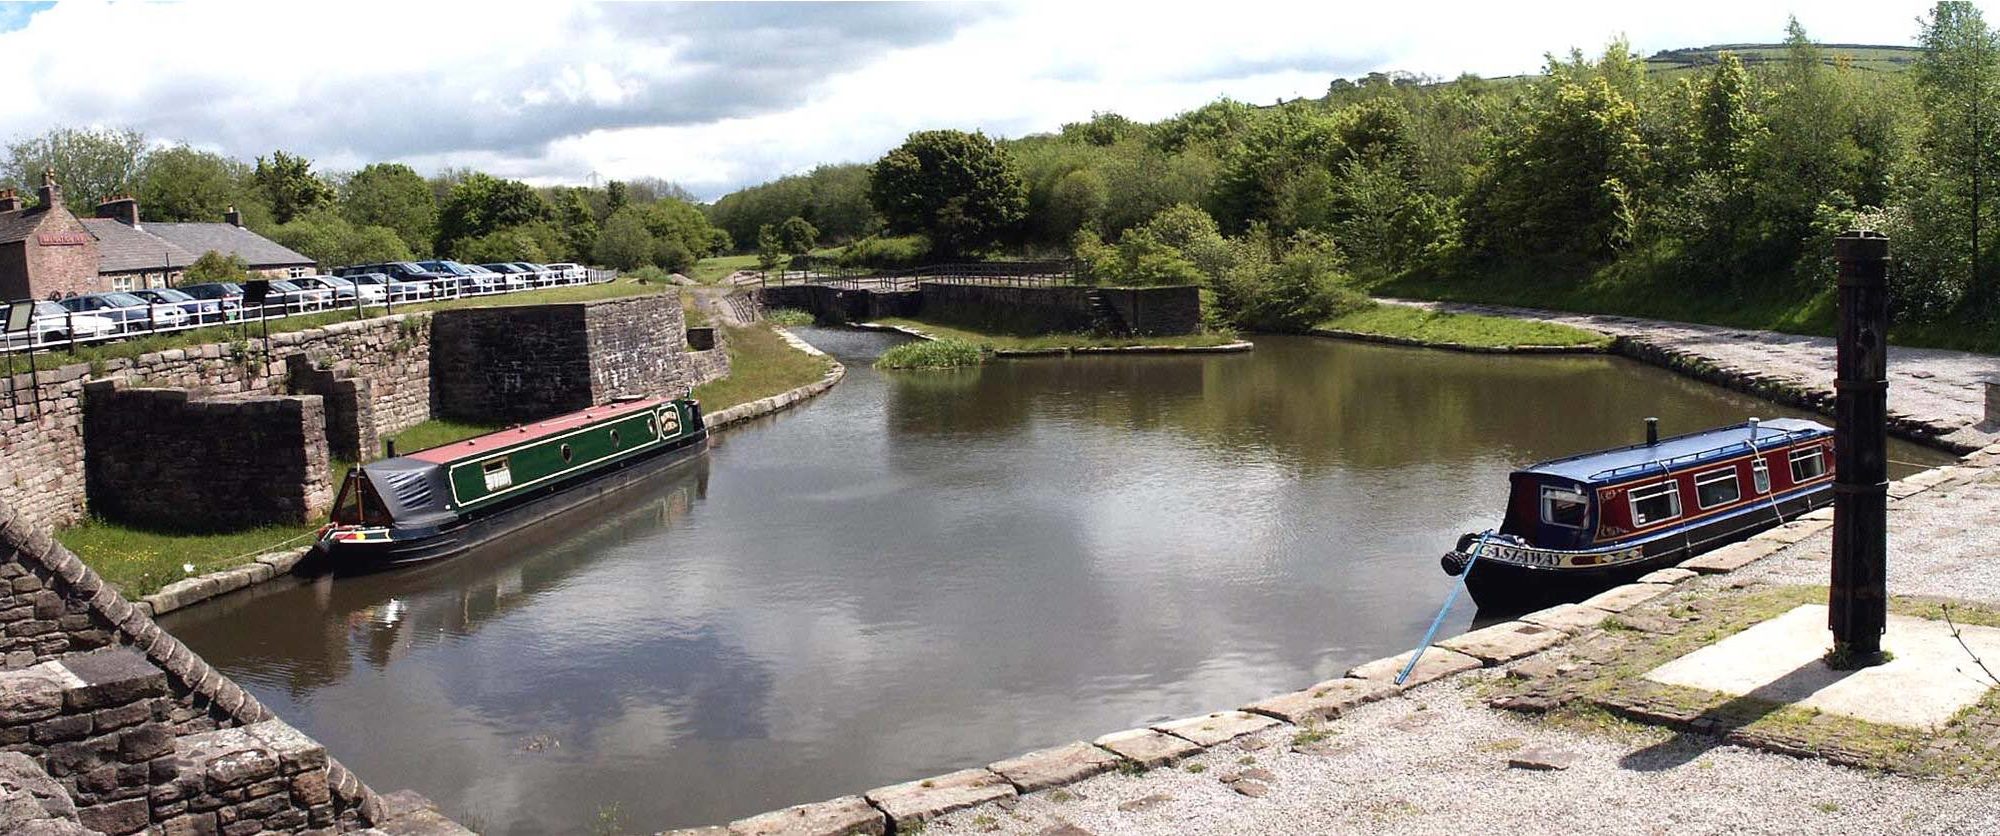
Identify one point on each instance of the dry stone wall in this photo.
(525, 363)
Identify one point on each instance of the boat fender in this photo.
(1453, 563)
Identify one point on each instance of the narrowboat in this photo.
(437, 503)
(1597, 519)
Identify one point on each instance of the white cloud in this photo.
(717, 96)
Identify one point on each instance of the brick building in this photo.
(46, 251)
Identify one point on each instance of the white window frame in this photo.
(1760, 477)
(497, 478)
(297, 272)
(1799, 455)
(1552, 492)
(122, 284)
(1672, 489)
(1712, 477)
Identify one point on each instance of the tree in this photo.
(576, 222)
(213, 266)
(798, 236)
(770, 250)
(90, 164)
(956, 188)
(516, 243)
(1560, 183)
(615, 197)
(395, 196)
(624, 243)
(184, 184)
(1955, 79)
(481, 204)
(290, 186)
(328, 238)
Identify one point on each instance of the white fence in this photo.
(55, 327)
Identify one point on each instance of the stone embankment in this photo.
(1360, 753)
(1935, 396)
(1225, 348)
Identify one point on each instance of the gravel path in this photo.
(1940, 389)
(1942, 542)
(1436, 761)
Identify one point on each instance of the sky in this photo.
(719, 96)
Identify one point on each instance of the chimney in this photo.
(123, 209)
(10, 201)
(50, 194)
(232, 217)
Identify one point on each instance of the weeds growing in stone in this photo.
(931, 354)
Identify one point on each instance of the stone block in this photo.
(145, 743)
(915, 802)
(112, 676)
(1216, 729)
(1622, 598)
(116, 818)
(1670, 575)
(1054, 767)
(1506, 641)
(1437, 663)
(1569, 618)
(1731, 557)
(845, 816)
(1147, 747)
(1325, 701)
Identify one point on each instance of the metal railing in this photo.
(1004, 273)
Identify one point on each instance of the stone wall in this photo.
(167, 458)
(41, 416)
(707, 356)
(1155, 311)
(1010, 310)
(527, 362)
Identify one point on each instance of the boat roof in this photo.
(502, 439)
(1678, 451)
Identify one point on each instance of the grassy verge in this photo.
(140, 560)
(1047, 341)
(251, 331)
(788, 317)
(716, 268)
(1464, 329)
(931, 354)
(761, 364)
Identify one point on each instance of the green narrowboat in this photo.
(437, 503)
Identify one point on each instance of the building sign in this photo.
(63, 239)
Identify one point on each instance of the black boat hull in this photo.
(1496, 585)
(424, 545)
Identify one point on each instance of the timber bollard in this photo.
(1993, 400)
(1857, 598)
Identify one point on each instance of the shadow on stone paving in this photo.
(1710, 726)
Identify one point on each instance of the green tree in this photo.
(213, 266)
(625, 242)
(395, 196)
(770, 249)
(956, 188)
(482, 204)
(797, 235)
(514, 243)
(290, 186)
(1955, 79)
(90, 164)
(576, 222)
(328, 238)
(1560, 183)
(184, 184)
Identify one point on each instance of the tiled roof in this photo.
(255, 250)
(122, 249)
(16, 225)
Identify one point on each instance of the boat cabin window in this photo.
(1809, 463)
(1564, 507)
(1716, 488)
(1760, 476)
(1655, 503)
(497, 474)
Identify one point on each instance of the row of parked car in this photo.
(95, 316)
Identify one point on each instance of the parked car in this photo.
(130, 312)
(539, 274)
(202, 310)
(228, 295)
(569, 271)
(513, 276)
(475, 280)
(441, 284)
(343, 289)
(397, 291)
(287, 297)
(55, 323)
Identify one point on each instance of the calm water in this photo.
(920, 572)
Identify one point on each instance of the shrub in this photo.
(647, 274)
(1303, 289)
(931, 354)
(788, 316)
(880, 251)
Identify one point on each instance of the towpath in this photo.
(1933, 393)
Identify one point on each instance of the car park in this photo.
(130, 312)
(442, 284)
(536, 273)
(286, 297)
(202, 310)
(227, 295)
(513, 275)
(344, 290)
(396, 291)
(568, 271)
(476, 280)
(52, 322)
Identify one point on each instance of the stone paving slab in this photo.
(1505, 642)
(1731, 557)
(1437, 663)
(842, 816)
(1324, 701)
(1146, 747)
(1569, 618)
(1217, 728)
(915, 802)
(1622, 598)
(1669, 575)
(1054, 767)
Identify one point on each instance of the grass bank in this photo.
(716, 268)
(141, 560)
(761, 364)
(1405, 322)
(947, 353)
(1000, 342)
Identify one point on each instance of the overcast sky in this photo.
(719, 96)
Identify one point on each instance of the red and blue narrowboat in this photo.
(437, 503)
(1602, 518)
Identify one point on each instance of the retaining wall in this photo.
(1009, 310)
(1156, 311)
(527, 362)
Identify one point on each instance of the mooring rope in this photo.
(1450, 599)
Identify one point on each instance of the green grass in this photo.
(1000, 342)
(788, 317)
(141, 560)
(760, 365)
(1464, 329)
(948, 353)
(251, 332)
(716, 268)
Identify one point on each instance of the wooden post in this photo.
(1858, 597)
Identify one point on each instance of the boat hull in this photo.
(407, 546)
(1516, 581)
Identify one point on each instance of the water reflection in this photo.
(922, 571)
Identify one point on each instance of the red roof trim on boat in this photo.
(512, 436)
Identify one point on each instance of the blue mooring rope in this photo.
(1437, 622)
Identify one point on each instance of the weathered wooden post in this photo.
(1858, 598)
